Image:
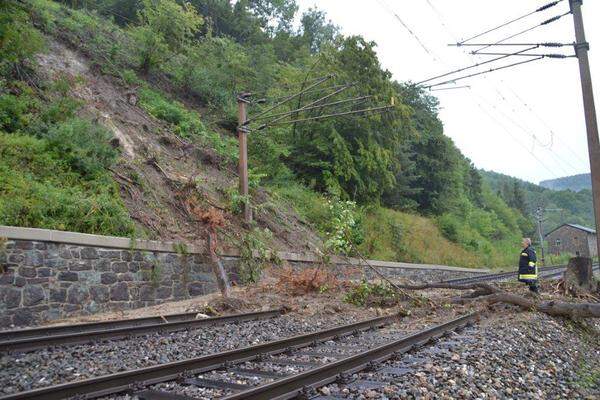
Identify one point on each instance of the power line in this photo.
(555, 55)
(546, 22)
(414, 35)
(537, 116)
(509, 133)
(540, 9)
(313, 107)
(534, 137)
(475, 65)
(383, 108)
(290, 98)
(528, 106)
(485, 72)
(545, 44)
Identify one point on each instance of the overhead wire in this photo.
(485, 72)
(474, 65)
(545, 44)
(412, 33)
(528, 132)
(543, 121)
(539, 9)
(439, 16)
(313, 107)
(289, 98)
(382, 108)
(543, 23)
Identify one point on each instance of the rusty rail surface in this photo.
(35, 338)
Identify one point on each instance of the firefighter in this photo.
(528, 271)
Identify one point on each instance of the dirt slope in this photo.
(163, 178)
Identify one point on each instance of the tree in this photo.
(518, 197)
(274, 15)
(316, 30)
(165, 25)
(19, 40)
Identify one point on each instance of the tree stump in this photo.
(579, 276)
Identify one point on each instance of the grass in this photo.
(388, 235)
(397, 236)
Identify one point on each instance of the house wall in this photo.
(572, 240)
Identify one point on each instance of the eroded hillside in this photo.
(165, 180)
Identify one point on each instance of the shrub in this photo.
(84, 146)
(39, 189)
(368, 294)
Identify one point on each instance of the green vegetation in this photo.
(391, 184)
(368, 294)
(254, 255)
(574, 183)
(570, 207)
(53, 165)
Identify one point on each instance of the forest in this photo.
(563, 206)
(188, 61)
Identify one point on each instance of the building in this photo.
(572, 239)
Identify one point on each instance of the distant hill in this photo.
(574, 183)
(577, 207)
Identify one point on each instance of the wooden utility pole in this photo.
(540, 218)
(581, 49)
(242, 129)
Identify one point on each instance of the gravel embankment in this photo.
(525, 356)
(25, 371)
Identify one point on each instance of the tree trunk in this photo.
(579, 276)
(217, 266)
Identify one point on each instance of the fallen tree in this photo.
(491, 294)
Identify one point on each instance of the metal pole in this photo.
(581, 49)
(243, 158)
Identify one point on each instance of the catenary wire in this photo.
(528, 106)
(540, 9)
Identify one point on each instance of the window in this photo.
(558, 242)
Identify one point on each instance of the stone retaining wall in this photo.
(46, 281)
(47, 275)
(414, 275)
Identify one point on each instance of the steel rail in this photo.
(28, 343)
(544, 272)
(291, 387)
(91, 326)
(143, 377)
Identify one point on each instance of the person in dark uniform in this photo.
(528, 271)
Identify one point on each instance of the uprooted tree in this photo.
(492, 294)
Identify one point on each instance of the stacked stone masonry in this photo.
(412, 275)
(46, 281)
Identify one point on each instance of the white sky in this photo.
(550, 87)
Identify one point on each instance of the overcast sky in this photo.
(526, 121)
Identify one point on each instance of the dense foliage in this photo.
(206, 51)
(53, 165)
(565, 206)
(574, 183)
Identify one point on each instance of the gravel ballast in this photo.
(525, 356)
(44, 367)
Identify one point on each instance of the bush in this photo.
(368, 294)
(84, 146)
(39, 189)
(187, 123)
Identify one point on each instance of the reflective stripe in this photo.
(531, 264)
(524, 254)
(528, 276)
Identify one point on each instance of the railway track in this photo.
(544, 272)
(281, 369)
(24, 340)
